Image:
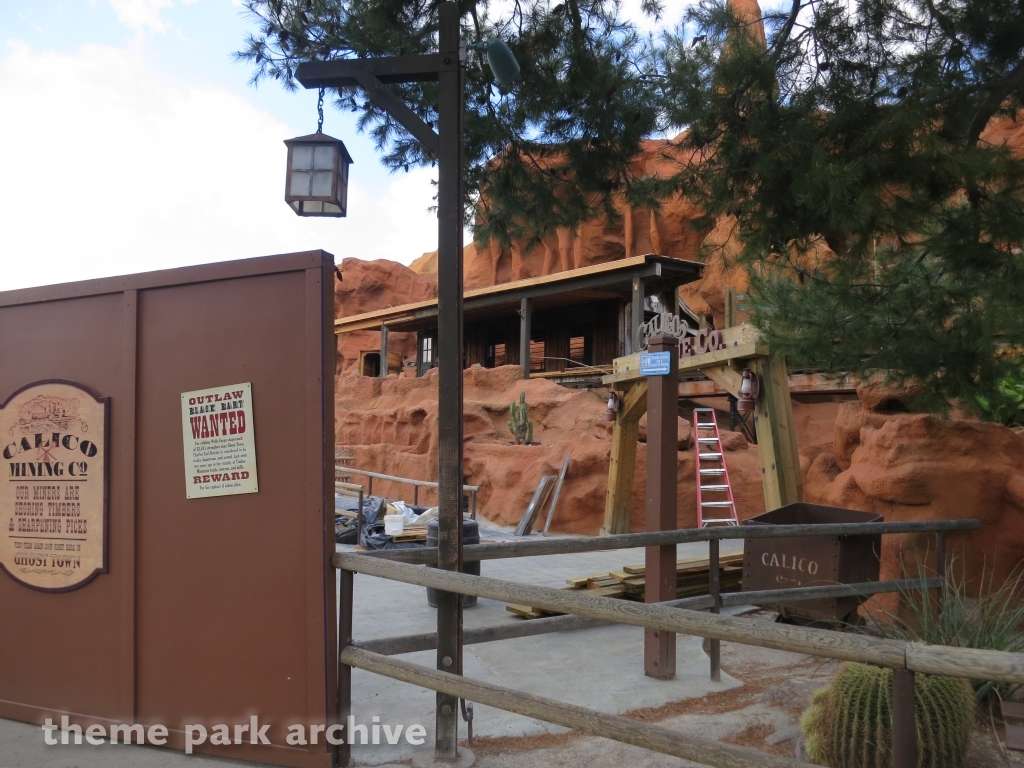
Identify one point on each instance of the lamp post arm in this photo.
(386, 99)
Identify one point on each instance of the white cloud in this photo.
(141, 15)
(107, 171)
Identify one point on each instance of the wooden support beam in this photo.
(730, 307)
(636, 313)
(726, 376)
(661, 503)
(383, 372)
(622, 463)
(738, 343)
(776, 435)
(525, 317)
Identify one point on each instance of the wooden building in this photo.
(572, 323)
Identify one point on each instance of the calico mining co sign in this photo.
(53, 497)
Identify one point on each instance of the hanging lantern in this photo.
(317, 181)
(750, 388)
(613, 407)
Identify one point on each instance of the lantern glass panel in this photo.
(302, 157)
(323, 158)
(299, 186)
(322, 184)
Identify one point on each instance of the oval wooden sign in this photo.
(53, 495)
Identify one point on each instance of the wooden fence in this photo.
(678, 616)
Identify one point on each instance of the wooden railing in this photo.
(678, 616)
(416, 484)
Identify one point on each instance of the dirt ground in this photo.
(763, 714)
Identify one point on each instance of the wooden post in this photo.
(776, 435)
(714, 589)
(730, 307)
(904, 724)
(346, 579)
(525, 315)
(662, 469)
(383, 373)
(622, 463)
(637, 313)
(450, 350)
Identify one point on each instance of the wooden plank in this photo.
(622, 464)
(690, 562)
(732, 338)
(776, 436)
(543, 488)
(694, 363)
(814, 642)
(726, 376)
(558, 489)
(972, 663)
(653, 737)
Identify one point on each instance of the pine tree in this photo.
(861, 129)
(854, 131)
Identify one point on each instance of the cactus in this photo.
(519, 425)
(849, 724)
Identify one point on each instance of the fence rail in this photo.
(932, 660)
(534, 547)
(427, 641)
(341, 469)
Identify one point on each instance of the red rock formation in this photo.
(389, 425)
(918, 467)
(369, 285)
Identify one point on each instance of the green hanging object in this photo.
(501, 61)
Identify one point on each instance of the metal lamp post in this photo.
(373, 76)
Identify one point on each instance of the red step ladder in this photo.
(710, 465)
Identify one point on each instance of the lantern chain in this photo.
(320, 112)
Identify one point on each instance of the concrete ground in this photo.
(600, 668)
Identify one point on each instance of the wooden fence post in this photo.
(662, 471)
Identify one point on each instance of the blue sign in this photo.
(655, 363)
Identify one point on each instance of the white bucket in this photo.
(394, 524)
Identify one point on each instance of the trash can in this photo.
(812, 561)
(470, 535)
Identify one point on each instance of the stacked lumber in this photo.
(628, 583)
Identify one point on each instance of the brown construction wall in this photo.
(212, 609)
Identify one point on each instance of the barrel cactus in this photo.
(519, 425)
(849, 724)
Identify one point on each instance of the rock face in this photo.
(918, 467)
(369, 285)
(390, 426)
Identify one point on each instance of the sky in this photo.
(130, 140)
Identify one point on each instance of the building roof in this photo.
(610, 280)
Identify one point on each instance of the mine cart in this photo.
(812, 561)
